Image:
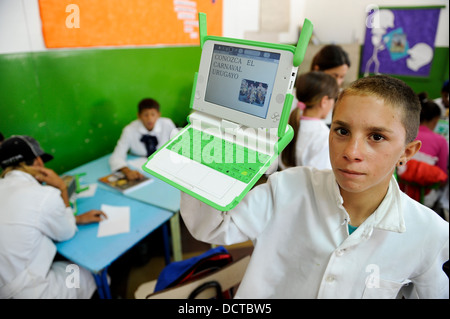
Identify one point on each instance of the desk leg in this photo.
(102, 284)
(176, 237)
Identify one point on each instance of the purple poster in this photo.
(400, 41)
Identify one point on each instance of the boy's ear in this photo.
(410, 150)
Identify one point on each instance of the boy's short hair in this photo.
(394, 92)
(148, 104)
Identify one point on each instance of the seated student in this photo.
(433, 144)
(141, 137)
(316, 93)
(32, 216)
(348, 232)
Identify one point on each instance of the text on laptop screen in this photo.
(242, 79)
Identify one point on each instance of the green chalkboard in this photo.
(76, 102)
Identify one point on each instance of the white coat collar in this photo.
(389, 214)
(16, 174)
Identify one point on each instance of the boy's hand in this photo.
(92, 216)
(48, 176)
(131, 174)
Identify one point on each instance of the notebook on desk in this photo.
(240, 103)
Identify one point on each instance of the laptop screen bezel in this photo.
(283, 83)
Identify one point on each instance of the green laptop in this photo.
(241, 100)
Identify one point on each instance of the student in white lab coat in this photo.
(32, 216)
(316, 93)
(348, 232)
(141, 137)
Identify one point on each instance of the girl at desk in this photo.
(348, 232)
(32, 216)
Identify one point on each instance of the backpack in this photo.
(180, 272)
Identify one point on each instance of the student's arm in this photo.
(57, 220)
(49, 177)
(434, 283)
(118, 158)
(245, 222)
(92, 216)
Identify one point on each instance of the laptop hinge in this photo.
(230, 127)
(260, 139)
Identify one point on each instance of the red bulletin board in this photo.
(87, 23)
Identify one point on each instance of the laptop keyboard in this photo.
(223, 156)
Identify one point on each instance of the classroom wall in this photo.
(76, 102)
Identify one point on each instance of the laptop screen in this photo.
(242, 79)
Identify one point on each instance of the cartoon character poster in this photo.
(400, 41)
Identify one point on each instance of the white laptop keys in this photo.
(241, 100)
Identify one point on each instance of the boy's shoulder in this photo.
(166, 121)
(422, 218)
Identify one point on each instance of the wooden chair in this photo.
(226, 278)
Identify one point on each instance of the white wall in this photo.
(20, 26)
(335, 21)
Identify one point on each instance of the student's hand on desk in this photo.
(132, 175)
(92, 216)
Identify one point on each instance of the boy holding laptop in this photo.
(348, 232)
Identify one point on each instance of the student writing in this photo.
(32, 216)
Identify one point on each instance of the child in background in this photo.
(348, 232)
(32, 216)
(316, 93)
(442, 102)
(433, 144)
(141, 137)
(333, 60)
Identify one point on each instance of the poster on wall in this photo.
(400, 41)
(88, 23)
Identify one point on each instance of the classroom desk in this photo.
(97, 253)
(157, 193)
(151, 206)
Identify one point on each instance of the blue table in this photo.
(157, 193)
(151, 206)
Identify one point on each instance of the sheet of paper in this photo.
(118, 220)
(88, 192)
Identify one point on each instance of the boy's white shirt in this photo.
(302, 249)
(130, 140)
